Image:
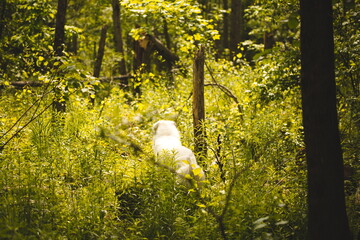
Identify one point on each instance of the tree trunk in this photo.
(166, 33)
(143, 49)
(326, 202)
(119, 46)
(59, 41)
(139, 53)
(73, 44)
(2, 16)
(168, 46)
(199, 105)
(237, 25)
(166, 53)
(142, 57)
(100, 54)
(269, 41)
(225, 32)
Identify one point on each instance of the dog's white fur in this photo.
(166, 142)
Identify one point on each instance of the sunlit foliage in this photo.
(89, 172)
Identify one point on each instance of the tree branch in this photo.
(26, 124)
(225, 90)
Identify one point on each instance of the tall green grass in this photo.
(89, 173)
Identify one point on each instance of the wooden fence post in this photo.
(199, 105)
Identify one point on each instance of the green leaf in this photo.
(188, 176)
(282, 222)
(293, 21)
(259, 226)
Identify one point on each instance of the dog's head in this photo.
(165, 128)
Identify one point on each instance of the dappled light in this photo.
(81, 153)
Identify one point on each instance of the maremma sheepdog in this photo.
(169, 150)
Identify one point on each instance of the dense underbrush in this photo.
(89, 173)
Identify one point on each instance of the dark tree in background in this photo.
(101, 50)
(237, 24)
(118, 40)
(60, 27)
(59, 41)
(225, 31)
(326, 201)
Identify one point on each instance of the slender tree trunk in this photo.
(166, 33)
(169, 65)
(59, 41)
(234, 25)
(199, 105)
(225, 33)
(141, 61)
(237, 25)
(119, 46)
(100, 54)
(139, 54)
(2, 16)
(326, 202)
(269, 40)
(73, 44)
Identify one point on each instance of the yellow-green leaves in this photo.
(201, 205)
(182, 18)
(197, 171)
(137, 33)
(185, 161)
(197, 37)
(216, 36)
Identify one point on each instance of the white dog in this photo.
(167, 145)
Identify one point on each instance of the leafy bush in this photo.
(89, 172)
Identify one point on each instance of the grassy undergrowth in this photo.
(88, 173)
